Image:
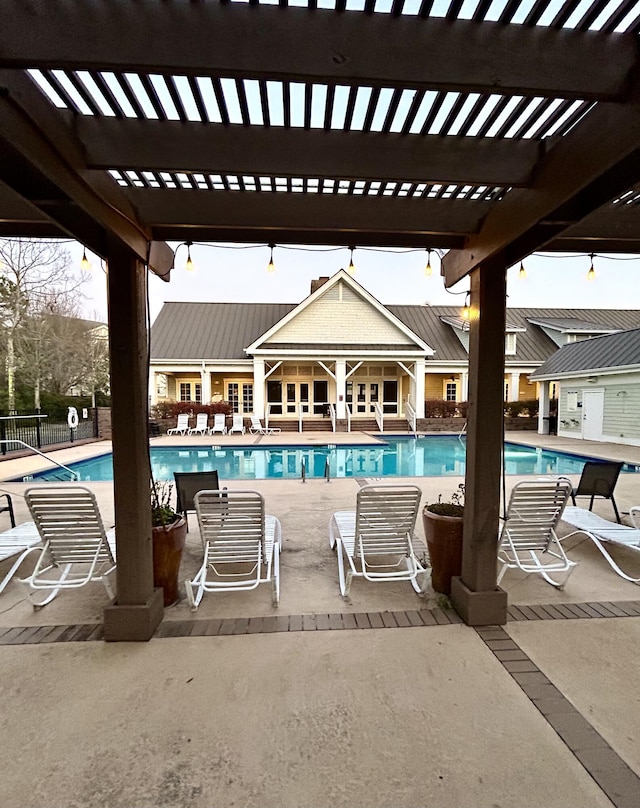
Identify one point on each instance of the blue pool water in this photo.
(430, 456)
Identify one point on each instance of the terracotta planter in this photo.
(168, 544)
(444, 540)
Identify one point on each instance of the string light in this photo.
(85, 263)
(352, 269)
(522, 272)
(189, 265)
(466, 312)
(591, 274)
(427, 269)
(271, 266)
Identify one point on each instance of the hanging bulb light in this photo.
(352, 268)
(189, 265)
(522, 272)
(84, 263)
(591, 274)
(427, 269)
(271, 266)
(466, 310)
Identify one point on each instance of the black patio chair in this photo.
(188, 483)
(598, 479)
(8, 507)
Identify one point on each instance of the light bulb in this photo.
(352, 268)
(427, 269)
(189, 265)
(465, 311)
(271, 266)
(522, 272)
(591, 274)
(84, 263)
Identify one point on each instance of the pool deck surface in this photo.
(384, 700)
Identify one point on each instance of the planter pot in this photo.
(168, 544)
(444, 540)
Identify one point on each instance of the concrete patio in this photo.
(382, 700)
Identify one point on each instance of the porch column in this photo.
(258, 387)
(464, 385)
(341, 389)
(153, 388)
(206, 384)
(475, 594)
(137, 609)
(543, 408)
(418, 388)
(514, 387)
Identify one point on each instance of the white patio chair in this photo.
(238, 424)
(528, 539)
(219, 424)
(76, 547)
(602, 532)
(241, 545)
(201, 427)
(377, 539)
(256, 427)
(182, 426)
(18, 541)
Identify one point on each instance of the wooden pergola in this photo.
(489, 129)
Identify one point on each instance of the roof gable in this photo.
(340, 313)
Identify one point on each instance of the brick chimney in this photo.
(317, 284)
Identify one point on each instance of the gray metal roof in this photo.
(608, 351)
(221, 331)
(571, 325)
(211, 330)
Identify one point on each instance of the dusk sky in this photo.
(232, 274)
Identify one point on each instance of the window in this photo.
(162, 385)
(451, 393)
(185, 391)
(247, 398)
(232, 395)
(510, 343)
(198, 393)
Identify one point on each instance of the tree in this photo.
(34, 275)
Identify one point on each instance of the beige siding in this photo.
(340, 316)
(433, 386)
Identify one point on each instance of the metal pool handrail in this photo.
(74, 475)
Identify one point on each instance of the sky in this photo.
(233, 273)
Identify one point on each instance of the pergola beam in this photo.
(298, 218)
(41, 162)
(592, 165)
(317, 46)
(273, 151)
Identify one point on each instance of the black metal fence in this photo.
(40, 430)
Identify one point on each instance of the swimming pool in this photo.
(429, 456)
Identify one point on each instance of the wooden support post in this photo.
(137, 610)
(475, 594)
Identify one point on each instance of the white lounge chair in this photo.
(256, 427)
(182, 426)
(377, 538)
(18, 541)
(602, 532)
(76, 547)
(241, 545)
(219, 424)
(201, 427)
(528, 539)
(238, 424)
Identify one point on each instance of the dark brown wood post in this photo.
(137, 610)
(475, 594)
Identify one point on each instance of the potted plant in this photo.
(443, 532)
(169, 532)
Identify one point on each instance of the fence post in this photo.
(3, 435)
(38, 434)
